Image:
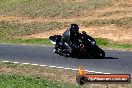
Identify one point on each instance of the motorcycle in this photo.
(85, 47)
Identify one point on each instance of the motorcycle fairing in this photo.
(53, 39)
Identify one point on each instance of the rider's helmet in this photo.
(74, 28)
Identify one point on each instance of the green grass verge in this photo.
(43, 41)
(49, 8)
(28, 76)
(17, 81)
(122, 46)
(111, 44)
(36, 41)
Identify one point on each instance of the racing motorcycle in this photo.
(85, 47)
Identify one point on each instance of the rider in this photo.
(69, 37)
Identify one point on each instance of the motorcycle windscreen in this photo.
(52, 39)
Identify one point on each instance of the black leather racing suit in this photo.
(69, 39)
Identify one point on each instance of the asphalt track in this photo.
(115, 61)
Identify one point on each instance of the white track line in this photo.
(67, 68)
(99, 72)
(106, 73)
(43, 65)
(55, 67)
(16, 62)
(86, 70)
(52, 66)
(92, 71)
(5, 61)
(74, 69)
(25, 63)
(34, 64)
(59, 67)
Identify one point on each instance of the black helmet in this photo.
(74, 28)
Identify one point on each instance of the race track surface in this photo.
(115, 61)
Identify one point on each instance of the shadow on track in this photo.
(111, 58)
(90, 57)
(96, 58)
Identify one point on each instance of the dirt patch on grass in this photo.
(116, 34)
(46, 34)
(75, 1)
(26, 19)
(12, 18)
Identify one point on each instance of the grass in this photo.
(28, 76)
(119, 46)
(36, 41)
(17, 81)
(110, 44)
(43, 41)
(110, 13)
(126, 22)
(49, 8)
(16, 75)
(10, 31)
(13, 29)
(107, 43)
(101, 41)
